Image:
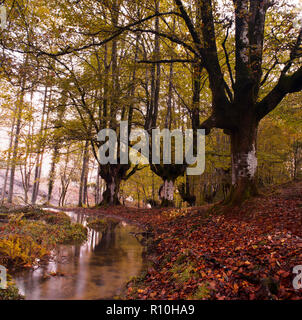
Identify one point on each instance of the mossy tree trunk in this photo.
(111, 194)
(244, 164)
(166, 193)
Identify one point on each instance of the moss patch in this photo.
(101, 224)
(201, 293)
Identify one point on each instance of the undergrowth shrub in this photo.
(20, 250)
(23, 241)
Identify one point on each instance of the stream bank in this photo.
(96, 268)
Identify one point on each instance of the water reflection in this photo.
(97, 269)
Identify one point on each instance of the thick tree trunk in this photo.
(111, 194)
(244, 164)
(166, 193)
(186, 191)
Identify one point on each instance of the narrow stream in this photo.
(97, 269)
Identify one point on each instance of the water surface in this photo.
(97, 269)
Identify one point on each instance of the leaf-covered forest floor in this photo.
(246, 253)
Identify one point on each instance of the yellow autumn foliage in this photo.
(21, 250)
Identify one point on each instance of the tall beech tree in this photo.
(168, 172)
(96, 94)
(239, 109)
